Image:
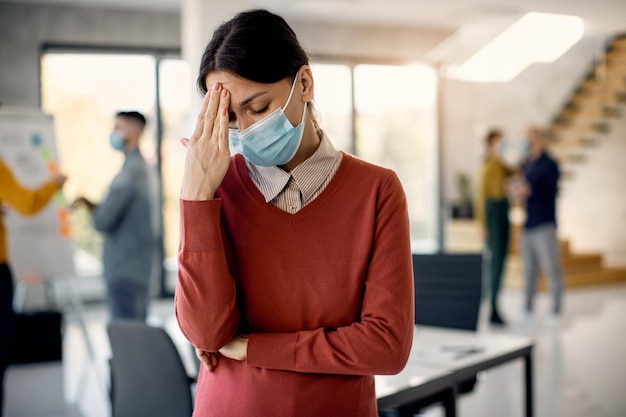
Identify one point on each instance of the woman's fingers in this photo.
(208, 156)
(211, 111)
(221, 123)
(208, 359)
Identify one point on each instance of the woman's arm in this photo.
(205, 298)
(23, 200)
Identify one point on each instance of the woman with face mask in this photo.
(492, 211)
(295, 282)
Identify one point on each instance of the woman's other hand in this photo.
(208, 154)
(208, 359)
(237, 348)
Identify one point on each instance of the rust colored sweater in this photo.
(326, 294)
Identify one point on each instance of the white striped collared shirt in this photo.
(290, 191)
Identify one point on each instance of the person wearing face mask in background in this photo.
(492, 211)
(125, 218)
(295, 281)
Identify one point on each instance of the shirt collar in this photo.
(309, 175)
(131, 154)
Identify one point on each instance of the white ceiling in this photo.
(601, 16)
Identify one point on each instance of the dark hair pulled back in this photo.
(257, 45)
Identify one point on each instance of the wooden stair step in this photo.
(583, 104)
(616, 51)
(588, 113)
(614, 68)
(615, 54)
(573, 140)
(575, 263)
(619, 43)
(611, 74)
(572, 280)
(580, 127)
(598, 99)
(600, 94)
(603, 276)
(610, 84)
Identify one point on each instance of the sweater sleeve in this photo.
(380, 341)
(23, 200)
(205, 298)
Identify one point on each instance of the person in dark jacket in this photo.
(539, 243)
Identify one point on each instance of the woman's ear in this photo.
(306, 82)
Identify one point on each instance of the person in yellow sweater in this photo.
(27, 202)
(492, 211)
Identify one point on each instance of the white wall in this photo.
(592, 207)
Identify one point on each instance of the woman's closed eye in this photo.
(260, 111)
(232, 116)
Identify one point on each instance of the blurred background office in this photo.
(413, 86)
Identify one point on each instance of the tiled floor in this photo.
(580, 366)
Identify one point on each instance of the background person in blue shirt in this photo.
(126, 219)
(540, 246)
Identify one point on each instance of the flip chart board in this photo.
(39, 245)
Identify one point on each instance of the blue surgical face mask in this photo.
(270, 141)
(502, 148)
(524, 148)
(116, 140)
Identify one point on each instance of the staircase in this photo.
(586, 116)
(580, 125)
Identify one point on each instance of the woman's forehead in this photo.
(233, 82)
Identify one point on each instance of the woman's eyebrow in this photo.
(252, 97)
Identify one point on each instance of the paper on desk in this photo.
(446, 353)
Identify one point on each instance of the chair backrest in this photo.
(448, 289)
(148, 377)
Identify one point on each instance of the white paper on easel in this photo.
(39, 245)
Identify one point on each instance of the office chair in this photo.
(448, 289)
(148, 377)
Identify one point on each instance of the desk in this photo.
(458, 355)
(415, 384)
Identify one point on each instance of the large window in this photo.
(83, 92)
(387, 115)
(333, 102)
(396, 128)
(175, 99)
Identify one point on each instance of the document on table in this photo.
(446, 353)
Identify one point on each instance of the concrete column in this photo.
(199, 18)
